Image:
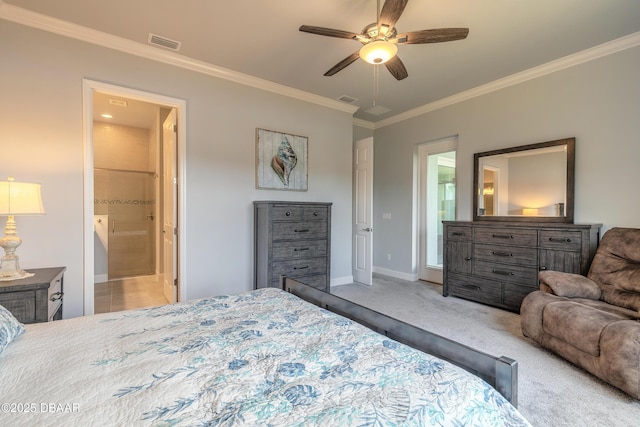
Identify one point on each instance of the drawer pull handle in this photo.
(301, 268)
(503, 273)
(502, 236)
(474, 287)
(287, 213)
(304, 230)
(56, 296)
(543, 268)
(300, 249)
(468, 258)
(315, 214)
(458, 233)
(504, 254)
(554, 239)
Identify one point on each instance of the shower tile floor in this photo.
(128, 293)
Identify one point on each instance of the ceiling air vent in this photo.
(348, 99)
(164, 42)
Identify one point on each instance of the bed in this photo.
(260, 358)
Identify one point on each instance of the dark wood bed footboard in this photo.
(500, 372)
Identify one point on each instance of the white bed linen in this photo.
(257, 358)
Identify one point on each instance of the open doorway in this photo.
(132, 159)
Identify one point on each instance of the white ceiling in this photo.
(261, 38)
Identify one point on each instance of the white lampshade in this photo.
(20, 198)
(378, 52)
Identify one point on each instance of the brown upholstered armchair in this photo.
(593, 321)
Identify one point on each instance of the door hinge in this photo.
(175, 283)
(175, 231)
(175, 128)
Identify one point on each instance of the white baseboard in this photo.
(100, 278)
(396, 274)
(339, 281)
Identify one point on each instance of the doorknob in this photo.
(367, 229)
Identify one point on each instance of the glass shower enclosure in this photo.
(126, 201)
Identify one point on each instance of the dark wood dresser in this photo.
(37, 298)
(497, 263)
(292, 239)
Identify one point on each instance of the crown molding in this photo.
(364, 123)
(604, 49)
(78, 32)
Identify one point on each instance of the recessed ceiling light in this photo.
(107, 116)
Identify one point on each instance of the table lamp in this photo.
(16, 198)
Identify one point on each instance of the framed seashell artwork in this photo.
(281, 161)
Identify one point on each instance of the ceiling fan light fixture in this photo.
(378, 52)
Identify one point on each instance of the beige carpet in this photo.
(552, 392)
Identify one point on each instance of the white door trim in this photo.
(88, 89)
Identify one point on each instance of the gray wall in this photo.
(597, 102)
(41, 136)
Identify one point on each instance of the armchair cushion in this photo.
(570, 285)
(616, 267)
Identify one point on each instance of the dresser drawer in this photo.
(298, 268)
(286, 213)
(475, 288)
(21, 304)
(506, 255)
(458, 233)
(54, 296)
(507, 273)
(561, 239)
(506, 236)
(315, 212)
(299, 249)
(299, 230)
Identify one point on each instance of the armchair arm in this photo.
(569, 285)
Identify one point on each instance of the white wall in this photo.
(597, 102)
(41, 139)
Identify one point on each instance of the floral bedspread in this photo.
(261, 358)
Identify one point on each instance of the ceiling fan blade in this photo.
(330, 32)
(396, 68)
(437, 35)
(391, 12)
(343, 64)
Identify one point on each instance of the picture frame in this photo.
(281, 161)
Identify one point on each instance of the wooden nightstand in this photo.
(37, 298)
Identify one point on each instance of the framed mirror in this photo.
(532, 182)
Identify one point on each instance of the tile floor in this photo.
(125, 294)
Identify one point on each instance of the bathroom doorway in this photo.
(130, 202)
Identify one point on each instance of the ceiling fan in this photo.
(380, 39)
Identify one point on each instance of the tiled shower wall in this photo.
(124, 189)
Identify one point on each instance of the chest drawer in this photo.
(299, 249)
(298, 230)
(311, 213)
(506, 255)
(564, 240)
(287, 213)
(506, 236)
(298, 268)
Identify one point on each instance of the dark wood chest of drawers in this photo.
(35, 299)
(498, 263)
(292, 239)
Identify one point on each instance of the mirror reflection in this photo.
(527, 182)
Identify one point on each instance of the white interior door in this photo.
(169, 189)
(437, 192)
(363, 211)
